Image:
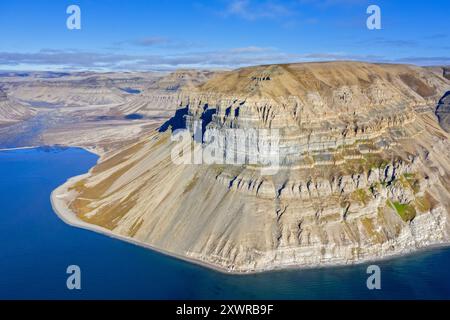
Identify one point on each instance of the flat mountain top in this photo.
(297, 79)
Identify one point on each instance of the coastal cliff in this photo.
(364, 171)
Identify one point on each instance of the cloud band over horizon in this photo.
(75, 60)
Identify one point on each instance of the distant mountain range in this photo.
(12, 111)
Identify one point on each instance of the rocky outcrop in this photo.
(3, 96)
(443, 112)
(363, 172)
(447, 73)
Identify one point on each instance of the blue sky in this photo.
(166, 35)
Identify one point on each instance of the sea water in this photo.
(36, 248)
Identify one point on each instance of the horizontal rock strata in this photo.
(364, 170)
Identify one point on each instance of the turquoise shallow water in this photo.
(36, 248)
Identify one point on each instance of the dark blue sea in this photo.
(36, 247)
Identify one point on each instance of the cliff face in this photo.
(447, 73)
(364, 171)
(443, 112)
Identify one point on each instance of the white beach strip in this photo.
(60, 197)
(18, 148)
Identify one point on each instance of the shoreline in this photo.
(90, 150)
(58, 201)
(67, 216)
(19, 148)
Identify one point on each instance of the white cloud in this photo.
(231, 58)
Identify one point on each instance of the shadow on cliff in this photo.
(445, 98)
(443, 112)
(178, 121)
